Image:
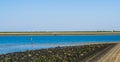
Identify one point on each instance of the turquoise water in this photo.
(9, 44)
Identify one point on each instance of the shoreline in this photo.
(62, 54)
(60, 33)
(47, 46)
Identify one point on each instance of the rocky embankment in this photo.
(58, 54)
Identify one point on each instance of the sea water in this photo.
(9, 44)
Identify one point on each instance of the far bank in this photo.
(63, 33)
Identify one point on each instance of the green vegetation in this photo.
(58, 54)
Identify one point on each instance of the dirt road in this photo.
(113, 55)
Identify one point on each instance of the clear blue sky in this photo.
(59, 15)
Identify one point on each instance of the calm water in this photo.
(10, 44)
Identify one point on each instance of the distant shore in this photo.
(63, 33)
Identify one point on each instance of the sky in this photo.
(59, 15)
